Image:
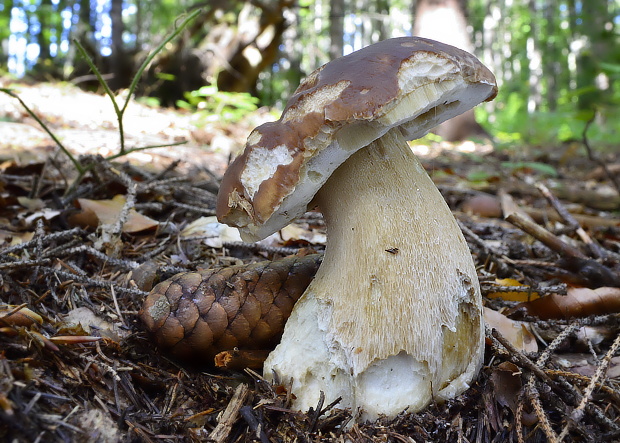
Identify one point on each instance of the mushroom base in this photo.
(393, 319)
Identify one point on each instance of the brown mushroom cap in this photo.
(410, 82)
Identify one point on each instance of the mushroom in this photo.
(393, 318)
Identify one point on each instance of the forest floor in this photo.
(79, 253)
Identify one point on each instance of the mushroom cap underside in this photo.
(409, 82)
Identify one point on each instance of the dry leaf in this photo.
(506, 378)
(578, 302)
(584, 364)
(99, 212)
(90, 324)
(512, 296)
(32, 204)
(21, 317)
(483, 205)
(216, 233)
(516, 332)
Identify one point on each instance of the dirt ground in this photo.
(79, 251)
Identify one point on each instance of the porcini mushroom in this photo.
(393, 318)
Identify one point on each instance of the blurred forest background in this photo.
(557, 61)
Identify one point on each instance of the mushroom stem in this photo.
(393, 317)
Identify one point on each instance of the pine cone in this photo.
(195, 315)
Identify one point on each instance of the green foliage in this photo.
(213, 105)
(541, 168)
(153, 102)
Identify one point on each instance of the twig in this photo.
(45, 240)
(544, 236)
(317, 412)
(540, 412)
(24, 263)
(557, 341)
(257, 427)
(477, 240)
(257, 247)
(93, 282)
(602, 164)
(120, 111)
(572, 223)
(229, 416)
(116, 306)
(521, 358)
(195, 208)
(577, 414)
(123, 263)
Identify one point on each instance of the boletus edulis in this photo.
(393, 318)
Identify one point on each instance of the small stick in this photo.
(118, 309)
(477, 240)
(570, 220)
(591, 156)
(239, 359)
(577, 414)
(544, 236)
(521, 358)
(317, 413)
(230, 414)
(256, 426)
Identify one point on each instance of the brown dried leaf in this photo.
(506, 378)
(96, 212)
(578, 302)
(22, 317)
(584, 364)
(483, 205)
(516, 332)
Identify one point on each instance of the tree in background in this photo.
(445, 21)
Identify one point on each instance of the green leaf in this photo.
(543, 168)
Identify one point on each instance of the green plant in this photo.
(215, 105)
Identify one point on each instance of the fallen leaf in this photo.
(483, 205)
(584, 364)
(215, 233)
(89, 323)
(578, 302)
(11, 315)
(516, 332)
(506, 378)
(32, 204)
(98, 212)
(510, 295)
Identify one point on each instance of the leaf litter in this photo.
(77, 259)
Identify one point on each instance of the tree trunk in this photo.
(383, 14)
(255, 46)
(336, 29)
(535, 62)
(552, 58)
(5, 33)
(43, 13)
(599, 44)
(117, 57)
(444, 20)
